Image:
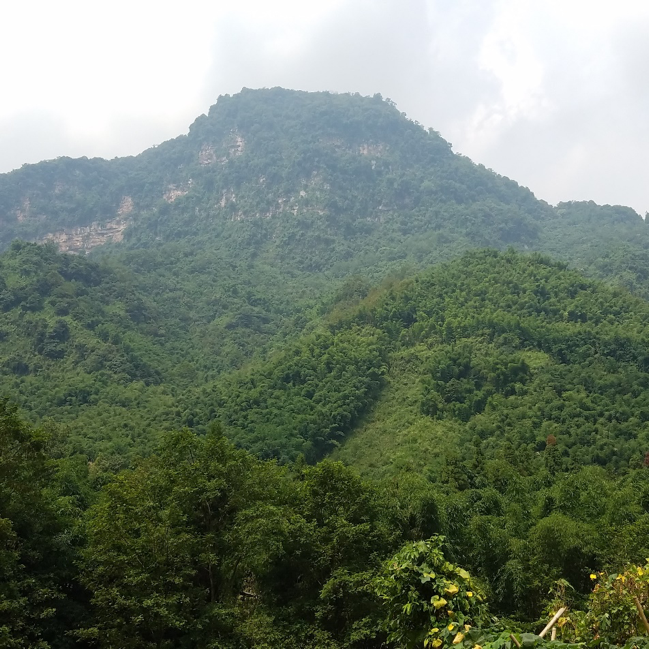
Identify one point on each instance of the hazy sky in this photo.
(552, 93)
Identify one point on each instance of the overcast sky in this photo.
(552, 93)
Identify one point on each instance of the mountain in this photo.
(498, 400)
(229, 241)
(305, 183)
(295, 171)
(296, 282)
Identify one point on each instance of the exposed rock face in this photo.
(176, 191)
(126, 206)
(228, 196)
(372, 149)
(83, 239)
(23, 212)
(206, 155)
(237, 145)
(233, 146)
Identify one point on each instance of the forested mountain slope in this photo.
(263, 279)
(80, 343)
(228, 242)
(512, 350)
(307, 182)
(499, 400)
(609, 242)
(510, 384)
(512, 353)
(277, 170)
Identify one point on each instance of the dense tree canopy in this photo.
(262, 420)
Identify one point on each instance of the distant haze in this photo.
(553, 94)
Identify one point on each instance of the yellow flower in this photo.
(477, 646)
(467, 627)
(451, 626)
(593, 575)
(469, 593)
(458, 638)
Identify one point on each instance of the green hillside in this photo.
(278, 171)
(499, 400)
(236, 233)
(82, 345)
(306, 183)
(513, 350)
(608, 242)
(275, 208)
(508, 349)
(316, 387)
(511, 387)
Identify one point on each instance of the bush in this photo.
(428, 599)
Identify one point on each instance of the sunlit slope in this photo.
(504, 352)
(490, 354)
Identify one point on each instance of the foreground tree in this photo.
(36, 543)
(205, 546)
(160, 560)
